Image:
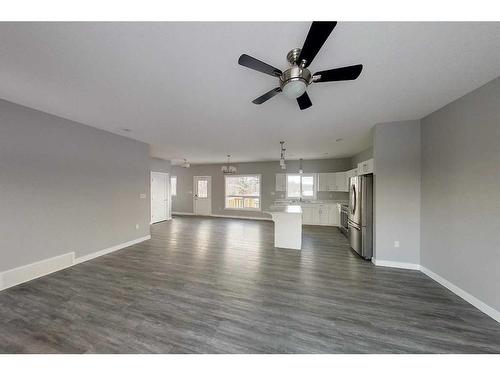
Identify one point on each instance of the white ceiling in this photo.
(178, 86)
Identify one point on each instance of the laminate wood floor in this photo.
(210, 285)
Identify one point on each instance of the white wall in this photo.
(396, 152)
(461, 193)
(160, 165)
(361, 156)
(66, 187)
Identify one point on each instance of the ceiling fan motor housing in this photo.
(296, 73)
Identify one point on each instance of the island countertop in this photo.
(287, 226)
(288, 209)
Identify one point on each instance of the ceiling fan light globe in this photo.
(294, 89)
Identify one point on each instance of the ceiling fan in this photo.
(294, 80)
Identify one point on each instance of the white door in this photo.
(202, 191)
(160, 197)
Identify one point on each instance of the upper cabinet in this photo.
(333, 181)
(326, 181)
(351, 173)
(365, 167)
(280, 182)
(341, 182)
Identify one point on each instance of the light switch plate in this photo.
(142, 196)
(396, 243)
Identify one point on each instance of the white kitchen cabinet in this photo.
(333, 181)
(280, 182)
(320, 214)
(341, 182)
(351, 173)
(334, 215)
(307, 215)
(365, 167)
(325, 181)
(323, 211)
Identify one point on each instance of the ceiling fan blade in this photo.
(346, 73)
(253, 63)
(304, 101)
(268, 95)
(318, 34)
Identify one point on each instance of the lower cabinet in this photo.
(307, 215)
(321, 214)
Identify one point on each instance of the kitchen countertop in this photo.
(288, 209)
(282, 203)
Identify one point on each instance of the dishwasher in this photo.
(344, 217)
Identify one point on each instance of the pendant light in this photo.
(228, 169)
(301, 170)
(282, 155)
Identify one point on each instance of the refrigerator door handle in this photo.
(353, 196)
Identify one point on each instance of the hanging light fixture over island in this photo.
(282, 156)
(228, 169)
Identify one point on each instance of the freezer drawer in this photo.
(355, 239)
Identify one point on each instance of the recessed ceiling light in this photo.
(339, 139)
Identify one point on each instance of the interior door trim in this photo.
(168, 205)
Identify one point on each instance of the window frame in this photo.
(242, 196)
(171, 190)
(315, 185)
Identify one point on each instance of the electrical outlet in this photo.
(396, 243)
(142, 196)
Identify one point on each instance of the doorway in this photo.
(160, 197)
(202, 195)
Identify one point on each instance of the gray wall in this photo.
(160, 165)
(362, 156)
(460, 193)
(66, 187)
(396, 152)
(183, 202)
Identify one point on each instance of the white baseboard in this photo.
(242, 217)
(480, 305)
(389, 263)
(488, 310)
(35, 270)
(111, 249)
(44, 267)
(224, 216)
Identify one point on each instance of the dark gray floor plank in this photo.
(209, 285)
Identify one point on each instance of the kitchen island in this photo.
(287, 226)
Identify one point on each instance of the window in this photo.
(173, 186)
(243, 192)
(301, 186)
(202, 189)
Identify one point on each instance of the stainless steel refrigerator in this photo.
(361, 215)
